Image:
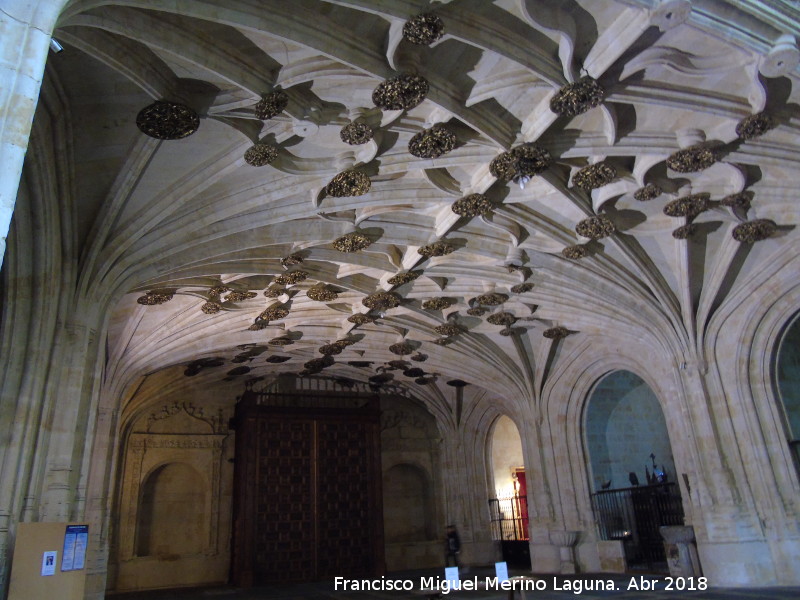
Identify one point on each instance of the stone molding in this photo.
(181, 441)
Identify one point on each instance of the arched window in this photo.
(631, 468)
(624, 427)
(171, 519)
(788, 379)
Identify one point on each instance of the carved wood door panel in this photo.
(284, 526)
(345, 504)
(308, 502)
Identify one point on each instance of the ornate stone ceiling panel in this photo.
(625, 232)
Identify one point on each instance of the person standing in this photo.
(452, 546)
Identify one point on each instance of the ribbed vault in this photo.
(191, 220)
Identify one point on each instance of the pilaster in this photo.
(466, 493)
(25, 30)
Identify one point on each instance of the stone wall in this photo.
(412, 494)
(183, 459)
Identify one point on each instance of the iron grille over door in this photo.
(634, 516)
(509, 517)
(307, 500)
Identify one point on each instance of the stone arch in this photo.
(563, 491)
(171, 512)
(631, 468)
(743, 338)
(752, 326)
(508, 502)
(570, 495)
(504, 449)
(623, 425)
(787, 382)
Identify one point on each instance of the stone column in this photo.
(730, 526)
(99, 499)
(76, 353)
(542, 508)
(25, 29)
(466, 494)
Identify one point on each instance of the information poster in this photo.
(76, 539)
(49, 563)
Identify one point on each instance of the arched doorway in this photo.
(787, 367)
(631, 468)
(509, 504)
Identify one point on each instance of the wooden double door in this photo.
(307, 500)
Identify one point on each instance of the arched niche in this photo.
(171, 518)
(508, 505)
(787, 377)
(407, 505)
(172, 524)
(624, 425)
(412, 488)
(506, 457)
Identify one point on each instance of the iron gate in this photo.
(633, 515)
(509, 518)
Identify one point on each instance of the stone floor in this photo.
(651, 587)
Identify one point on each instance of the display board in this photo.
(49, 561)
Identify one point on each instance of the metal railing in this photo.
(509, 520)
(634, 516)
(509, 517)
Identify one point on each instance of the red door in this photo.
(522, 494)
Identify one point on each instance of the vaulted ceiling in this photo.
(218, 241)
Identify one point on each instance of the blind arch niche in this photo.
(172, 499)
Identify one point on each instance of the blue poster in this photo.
(76, 539)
